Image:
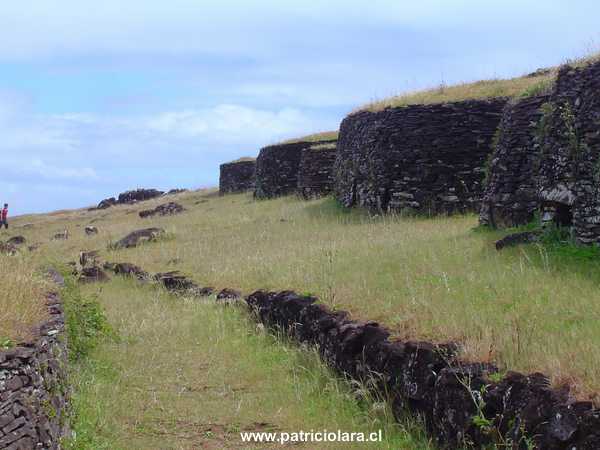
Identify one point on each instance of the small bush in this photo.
(86, 322)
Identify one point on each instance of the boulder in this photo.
(88, 258)
(138, 195)
(525, 237)
(16, 240)
(8, 249)
(107, 203)
(90, 230)
(92, 275)
(228, 294)
(165, 209)
(134, 238)
(62, 235)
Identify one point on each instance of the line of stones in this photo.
(34, 393)
(463, 403)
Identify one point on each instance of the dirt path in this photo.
(193, 375)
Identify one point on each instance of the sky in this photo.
(100, 97)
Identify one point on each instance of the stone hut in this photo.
(560, 179)
(237, 176)
(315, 177)
(277, 166)
(425, 158)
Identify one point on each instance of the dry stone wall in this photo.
(33, 387)
(428, 158)
(515, 411)
(510, 196)
(277, 168)
(315, 177)
(237, 176)
(560, 170)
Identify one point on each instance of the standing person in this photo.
(4, 216)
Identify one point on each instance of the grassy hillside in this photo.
(22, 290)
(186, 374)
(433, 278)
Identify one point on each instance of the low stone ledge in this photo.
(461, 402)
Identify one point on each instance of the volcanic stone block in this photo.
(428, 158)
(237, 176)
(315, 177)
(277, 168)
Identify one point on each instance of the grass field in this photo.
(185, 374)
(315, 137)
(525, 308)
(22, 290)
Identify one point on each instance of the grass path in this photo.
(185, 374)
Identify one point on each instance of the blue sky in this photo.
(99, 98)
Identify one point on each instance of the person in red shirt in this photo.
(4, 216)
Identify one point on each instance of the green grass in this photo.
(425, 278)
(190, 374)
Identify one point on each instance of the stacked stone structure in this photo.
(555, 167)
(428, 158)
(237, 176)
(315, 177)
(33, 386)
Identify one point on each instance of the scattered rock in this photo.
(176, 191)
(106, 203)
(91, 230)
(228, 294)
(525, 237)
(176, 283)
(63, 235)
(33, 247)
(88, 258)
(55, 276)
(92, 275)
(165, 209)
(138, 195)
(174, 261)
(8, 249)
(16, 240)
(134, 238)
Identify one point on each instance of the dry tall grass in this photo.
(425, 278)
(22, 303)
(513, 87)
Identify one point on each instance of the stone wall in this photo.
(514, 410)
(428, 158)
(277, 168)
(510, 197)
(315, 177)
(561, 171)
(33, 392)
(237, 176)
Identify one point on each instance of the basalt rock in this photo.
(16, 240)
(106, 203)
(237, 176)
(177, 283)
(525, 237)
(165, 209)
(315, 176)
(277, 168)
(90, 230)
(134, 238)
(93, 274)
(128, 270)
(228, 294)
(61, 235)
(34, 393)
(7, 248)
(138, 195)
(460, 401)
(426, 158)
(88, 258)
